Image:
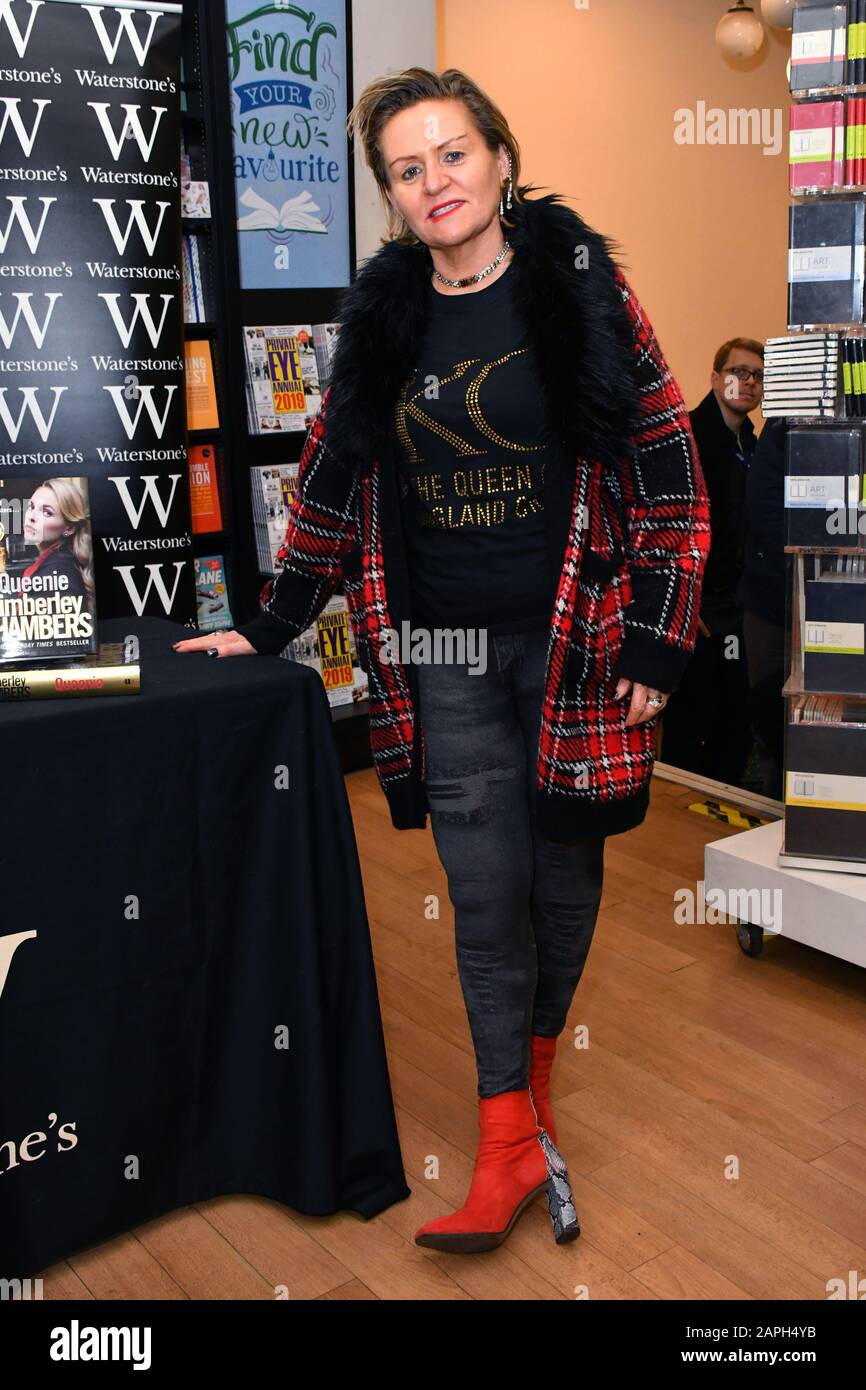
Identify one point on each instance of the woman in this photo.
(502, 452)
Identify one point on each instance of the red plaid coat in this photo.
(635, 534)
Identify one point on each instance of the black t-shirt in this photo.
(474, 449)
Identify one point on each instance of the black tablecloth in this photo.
(191, 915)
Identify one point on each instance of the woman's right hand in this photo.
(227, 642)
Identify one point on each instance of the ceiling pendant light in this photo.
(740, 33)
(779, 13)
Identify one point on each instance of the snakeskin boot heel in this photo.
(560, 1202)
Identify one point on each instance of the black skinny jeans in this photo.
(524, 908)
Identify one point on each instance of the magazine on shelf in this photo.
(324, 343)
(273, 489)
(328, 645)
(282, 377)
(47, 588)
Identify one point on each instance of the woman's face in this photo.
(442, 177)
(43, 521)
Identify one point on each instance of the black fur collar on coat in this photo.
(577, 321)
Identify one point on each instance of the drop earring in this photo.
(508, 196)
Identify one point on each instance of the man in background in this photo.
(764, 590)
(706, 726)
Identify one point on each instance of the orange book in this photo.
(201, 401)
(203, 489)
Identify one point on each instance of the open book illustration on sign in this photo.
(295, 215)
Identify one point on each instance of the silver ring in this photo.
(655, 700)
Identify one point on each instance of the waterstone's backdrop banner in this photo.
(91, 323)
(287, 67)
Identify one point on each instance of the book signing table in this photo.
(188, 1003)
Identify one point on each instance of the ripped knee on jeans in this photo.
(466, 798)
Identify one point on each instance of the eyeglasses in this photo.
(743, 374)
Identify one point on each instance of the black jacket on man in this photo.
(764, 579)
(725, 475)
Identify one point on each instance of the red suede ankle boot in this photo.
(541, 1061)
(516, 1161)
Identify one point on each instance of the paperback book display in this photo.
(201, 403)
(47, 590)
(196, 279)
(817, 379)
(48, 636)
(211, 593)
(204, 489)
(282, 373)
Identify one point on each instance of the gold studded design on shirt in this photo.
(406, 406)
(475, 411)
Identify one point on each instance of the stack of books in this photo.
(803, 376)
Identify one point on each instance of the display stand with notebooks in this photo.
(818, 389)
(772, 878)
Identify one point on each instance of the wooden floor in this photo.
(700, 1060)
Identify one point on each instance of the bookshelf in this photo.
(208, 124)
(206, 297)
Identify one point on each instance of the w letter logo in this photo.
(131, 127)
(7, 17)
(136, 218)
(12, 116)
(125, 25)
(18, 214)
(29, 406)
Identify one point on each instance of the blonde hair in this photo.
(385, 96)
(70, 495)
(747, 345)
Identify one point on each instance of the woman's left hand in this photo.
(641, 709)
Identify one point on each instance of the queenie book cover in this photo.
(47, 587)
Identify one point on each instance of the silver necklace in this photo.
(473, 279)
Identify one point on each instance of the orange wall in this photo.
(591, 96)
